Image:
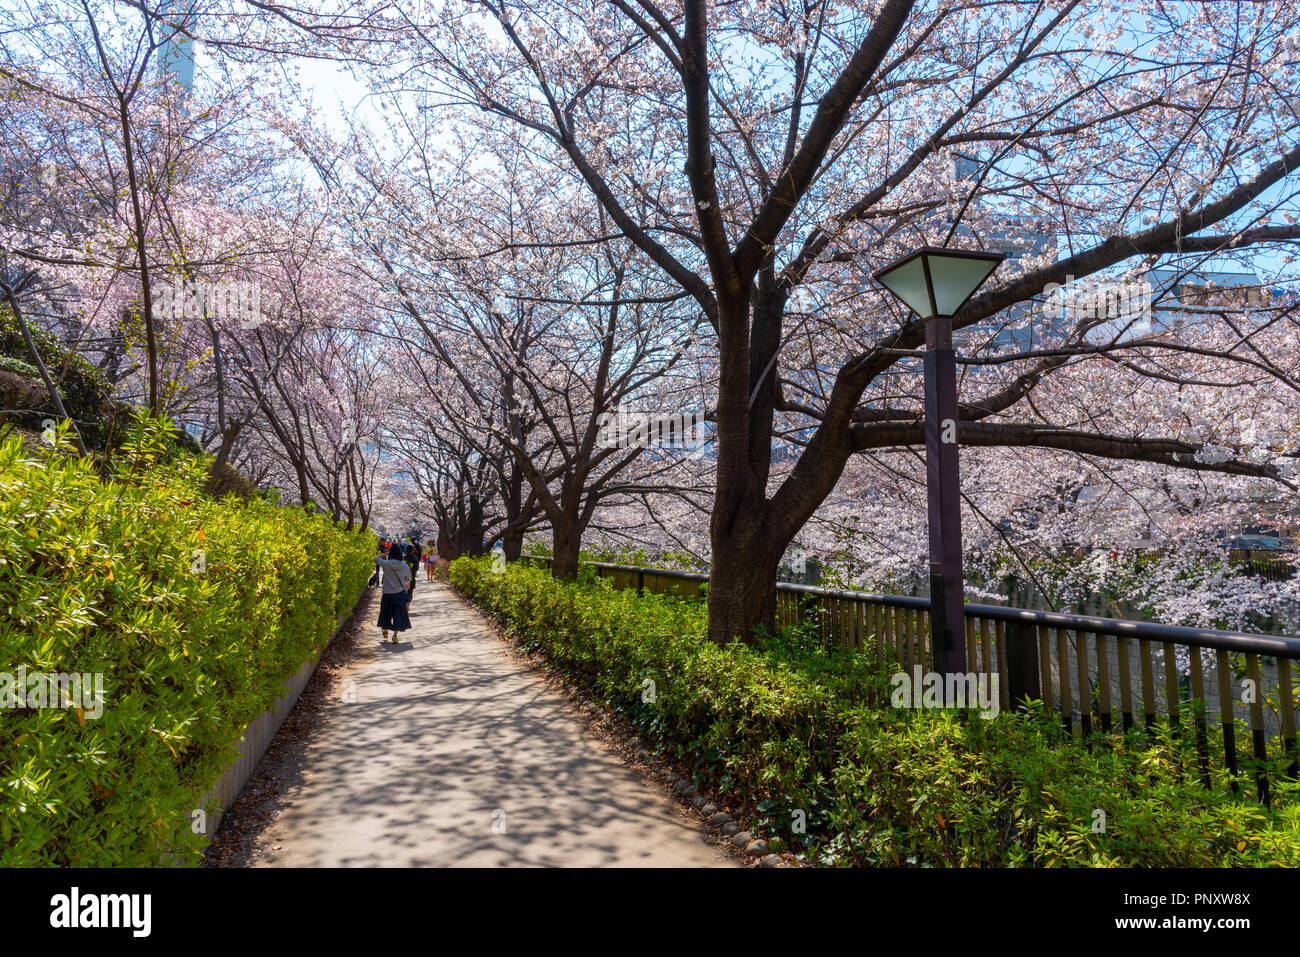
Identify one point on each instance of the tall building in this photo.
(176, 54)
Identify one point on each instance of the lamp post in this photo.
(934, 283)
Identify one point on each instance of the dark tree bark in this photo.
(512, 543)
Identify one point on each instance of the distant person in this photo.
(413, 556)
(396, 579)
(430, 560)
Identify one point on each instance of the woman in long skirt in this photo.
(392, 605)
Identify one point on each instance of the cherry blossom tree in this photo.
(527, 334)
(566, 207)
(768, 158)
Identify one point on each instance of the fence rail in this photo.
(1098, 674)
(1267, 567)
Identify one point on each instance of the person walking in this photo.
(396, 576)
(413, 562)
(430, 560)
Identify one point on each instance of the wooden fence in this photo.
(1098, 674)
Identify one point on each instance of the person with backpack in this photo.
(396, 576)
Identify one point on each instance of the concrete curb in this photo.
(261, 731)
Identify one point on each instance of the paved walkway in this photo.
(447, 738)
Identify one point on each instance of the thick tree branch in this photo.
(1174, 452)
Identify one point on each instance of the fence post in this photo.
(640, 581)
(1022, 663)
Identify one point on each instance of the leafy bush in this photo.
(790, 726)
(10, 364)
(193, 610)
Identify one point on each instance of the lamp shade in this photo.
(934, 281)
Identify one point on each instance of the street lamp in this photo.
(934, 283)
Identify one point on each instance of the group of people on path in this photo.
(396, 566)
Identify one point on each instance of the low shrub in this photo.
(193, 610)
(803, 734)
(11, 364)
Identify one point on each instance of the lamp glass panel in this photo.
(955, 278)
(907, 282)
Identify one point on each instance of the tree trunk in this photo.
(471, 533)
(742, 583)
(220, 475)
(566, 545)
(748, 533)
(228, 436)
(512, 536)
(512, 543)
(147, 294)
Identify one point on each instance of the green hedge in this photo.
(791, 727)
(194, 611)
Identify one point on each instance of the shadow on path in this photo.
(449, 753)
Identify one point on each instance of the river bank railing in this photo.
(1098, 674)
